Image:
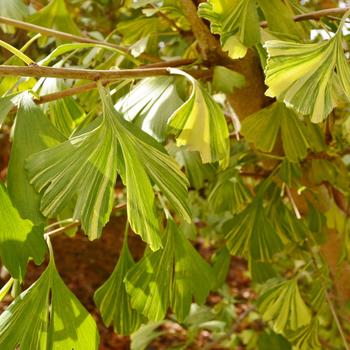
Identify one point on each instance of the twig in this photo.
(295, 207)
(69, 37)
(315, 15)
(90, 74)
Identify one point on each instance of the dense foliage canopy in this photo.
(223, 123)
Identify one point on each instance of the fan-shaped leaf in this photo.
(169, 278)
(200, 124)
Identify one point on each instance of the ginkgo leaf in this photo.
(150, 104)
(251, 234)
(6, 105)
(226, 80)
(306, 338)
(19, 239)
(33, 132)
(200, 125)
(236, 21)
(47, 316)
(84, 169)
(282, 304)
(56, 16)
(308, 77)
(15, 9)
(114, 302)
(229, 192)
(65, 113)
(169, 278)
(263, 127)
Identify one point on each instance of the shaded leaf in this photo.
(282, 304)
(15, 9)
(251, 234)
(169, 278)
(263, 127)
(32, 133)
(114, 302)
(19, 239)
(226, 80)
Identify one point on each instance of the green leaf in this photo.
(84, 169)
(114, 302)
(19, 239)
(226, 80)
(150, 104)
(56, 16)
(263, 127)
(169, 278)
(200, 125)
(144, 336)
(65, 113)
(236, 21)
(282, 304)
(308, 77)
(15, 9)
(6, 105)
(47, 316)
(279, 17)
(305, 338)
(32, 133)
(251, 234)
(269, 340)
(229, 192)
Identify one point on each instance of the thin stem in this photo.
(16, 52)
(61, 229)
(315, 15)
(68, 37)
(295, 207)
(90, 74)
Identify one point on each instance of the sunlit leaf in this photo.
(19, 239)
(169, 278)
(236, 21)
(200, 125)
(47, 316)
(150, 104)
(308, 77)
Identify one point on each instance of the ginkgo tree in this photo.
(218, 121)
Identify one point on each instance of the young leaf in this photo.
(169, 278)
(56, 16)
(262, 128)
(305, 338)
(308, 77)
(33, 133)
(251, 234)
(200, 124)
(226, 80)
(114, 302)
(282, 304)
(19, 239)
(47, 316)
(236, 21)
(150, 104)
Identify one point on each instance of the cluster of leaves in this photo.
(265, 194)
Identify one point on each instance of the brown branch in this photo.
(210, 47)
(315, 15)
(90, 74)
(68, 37)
